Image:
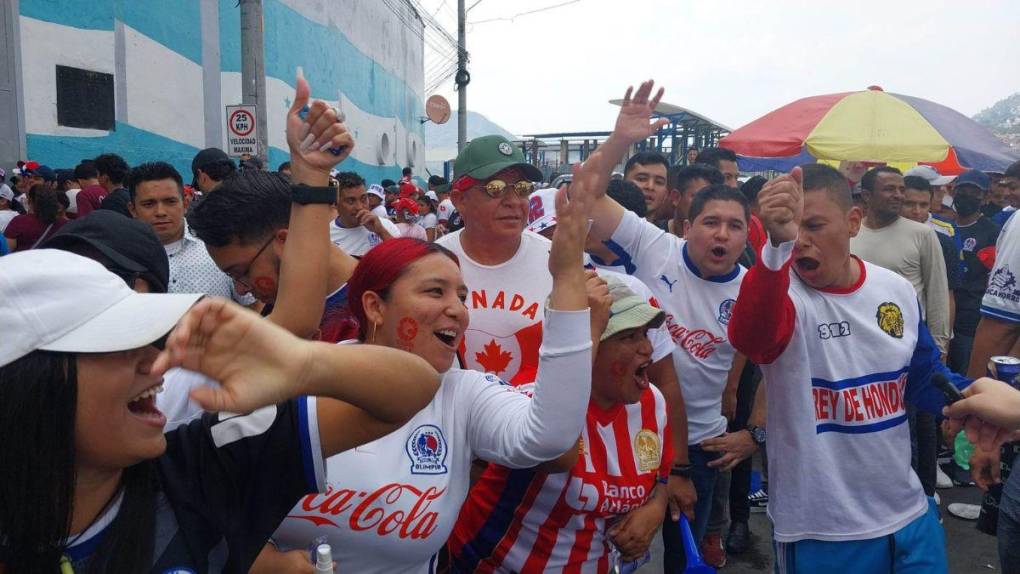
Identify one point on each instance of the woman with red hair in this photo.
(392, 503)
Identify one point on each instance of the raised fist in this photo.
(781, 206)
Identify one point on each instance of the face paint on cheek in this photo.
(265, 284)
(617, 369)
(407, 329)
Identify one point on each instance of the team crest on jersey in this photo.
(969, 244)
(726, 311)
(648, 450)
(890, 319)
(494, 379)
(427, 448)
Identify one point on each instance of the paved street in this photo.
(970, 552)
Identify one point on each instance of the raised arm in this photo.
(258, 364)
(313, 130)
(764, 315)
(632, 125)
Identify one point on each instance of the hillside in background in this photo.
(441, 140)
(443, 136)
(1003, 119)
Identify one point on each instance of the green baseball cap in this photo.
(486, 156)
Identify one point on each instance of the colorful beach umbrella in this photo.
(871, 125)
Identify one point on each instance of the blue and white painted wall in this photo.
(177, 64)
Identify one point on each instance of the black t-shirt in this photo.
(118, 201)
(455, 223)
(226, 482)
(973, 239)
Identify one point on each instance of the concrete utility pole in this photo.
(253, 70)
(462, 79)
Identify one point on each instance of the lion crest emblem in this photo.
(890, 319)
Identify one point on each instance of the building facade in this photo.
(150, 80)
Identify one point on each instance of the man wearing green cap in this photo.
(504, 266)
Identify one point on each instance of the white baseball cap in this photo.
(432, 195)
(52, 300)
(377, 190)
(543, 208)
(928, 172)
(5, 192)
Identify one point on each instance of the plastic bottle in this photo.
(324, 558)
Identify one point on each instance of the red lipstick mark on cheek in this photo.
(407, 330)
(617, 369)
(265, 284)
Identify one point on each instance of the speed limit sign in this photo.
(242, 131)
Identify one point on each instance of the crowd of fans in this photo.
(492, 374)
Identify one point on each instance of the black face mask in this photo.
(966, 205)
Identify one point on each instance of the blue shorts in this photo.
(919, 547)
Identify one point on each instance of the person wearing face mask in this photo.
(977, 235)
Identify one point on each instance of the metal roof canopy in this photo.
(680, 114)
(686, 128)
(562, 135)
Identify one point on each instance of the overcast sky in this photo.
(731, 61)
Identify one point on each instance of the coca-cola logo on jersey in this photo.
(400, 509)
(700, 343)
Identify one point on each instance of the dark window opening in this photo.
(85, 99)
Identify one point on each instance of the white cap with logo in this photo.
(53, 300)
(928, 172)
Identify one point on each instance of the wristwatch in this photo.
(305, 194)
(757, 434)
(683, 470)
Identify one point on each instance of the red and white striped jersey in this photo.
(531, 521)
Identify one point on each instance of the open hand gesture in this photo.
(632, 124)
(316, 134)
(781, 206)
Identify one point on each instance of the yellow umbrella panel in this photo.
(874, 126)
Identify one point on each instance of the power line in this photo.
(477, 2)
(529, 12)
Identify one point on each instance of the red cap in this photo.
(405, 203)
